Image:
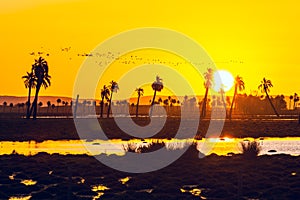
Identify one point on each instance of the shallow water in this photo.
(219, 146)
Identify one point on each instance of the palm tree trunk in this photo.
(271, 104)
(101, 108)
(232, 103)
(152, 103)
(224, 104)
(34, 103)
(137, 107)
(28, 102)
(204, 103)
(109, 105)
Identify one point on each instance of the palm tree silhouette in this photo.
(265, 87)
(296, 99)
(239, 85)
(48, 106)
(40, 105)
(4, 105)
(105, 92)
(291, 98)
(140, 92)
(222, 93)
(208, 76)
(58, 101)
(113, 87)
(156, 86)
(30, 83)
(40, 69)
(11, 105)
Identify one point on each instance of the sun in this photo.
(223, 79)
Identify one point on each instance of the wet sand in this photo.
(58, 129)
(213, 177)
(83, 177)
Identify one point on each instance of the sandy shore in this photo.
(213, 177)
(58, 129)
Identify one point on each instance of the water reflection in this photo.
(221, 146)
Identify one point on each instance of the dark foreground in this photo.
(213, 177)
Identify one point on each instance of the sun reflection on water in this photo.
(28, 182)
(219, 146)
(100, 190)
(20, 198)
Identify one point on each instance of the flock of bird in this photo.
(103, 59)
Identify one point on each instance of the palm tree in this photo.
(29, 82)
(140, 92)
(40, 104)
(222, 93)
(208, 76)
(48, 106)
(105, 92)
(265, 87)
(156, 86)
(291, 98)
(40, 69)
(239, 85)
(11, 105)
(296, 99)
(113, 87)
(4, 105)
(58, 101)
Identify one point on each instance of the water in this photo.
(220, 146)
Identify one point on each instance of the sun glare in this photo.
(223, 79)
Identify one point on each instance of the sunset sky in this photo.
(253, 39)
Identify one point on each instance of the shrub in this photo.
(250, 149)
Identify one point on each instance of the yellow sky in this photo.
(250, 38)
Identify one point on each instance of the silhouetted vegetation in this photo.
(37, 78)
(113, 87)
(265, 87)
(250, 149)
(157, 86)
(105, 92)
(208, 76)
(30, 83)
(140, 92)
(239, 85)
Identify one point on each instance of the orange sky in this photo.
(253, 39)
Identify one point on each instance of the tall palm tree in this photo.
(265, 87)
(30, 83)
(222, 93)
(40, 69)
(113, 87)
(105, 92)
(239, 85)
(140, 92)
(157, 86)
(296, 99)
(208, 76)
